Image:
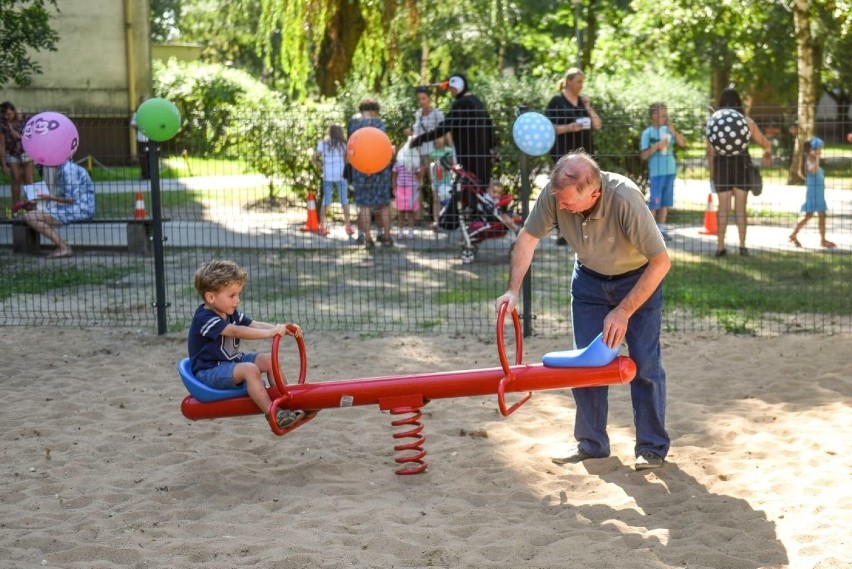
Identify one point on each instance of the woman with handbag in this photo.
(732, 172)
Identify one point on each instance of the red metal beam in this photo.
(439, 385)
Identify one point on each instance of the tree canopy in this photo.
(315, 47)
(24, 28)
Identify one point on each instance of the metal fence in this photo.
(220, 207)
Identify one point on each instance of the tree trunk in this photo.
(425, 75)
(389, 8)
(805, 53)
(720, 79)
(500, 26)
(342, 34)
(591, 35)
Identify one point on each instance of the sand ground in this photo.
(101, 470)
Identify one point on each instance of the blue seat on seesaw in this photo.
(205, 393)
(596, 354)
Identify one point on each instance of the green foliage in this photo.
(210, 96)
(622, 102)
(396, 101)
(280, 146)
(746, 42)
(228, 31)
(228, 113)
(287, 42)
(834, 22)
(24, 26)
(165, 19)
(505, 98)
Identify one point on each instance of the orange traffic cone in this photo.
(140, 207)
(313, 221)
(709, 218)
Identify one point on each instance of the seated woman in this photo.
(74, 200)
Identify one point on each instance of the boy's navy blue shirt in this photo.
(207, 347)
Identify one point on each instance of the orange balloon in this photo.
(369, 150)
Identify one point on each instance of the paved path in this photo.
(229, 226)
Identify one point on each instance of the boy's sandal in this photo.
(794, 241)
(828, 244)
(285, 417)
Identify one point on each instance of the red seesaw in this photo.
(595, 365)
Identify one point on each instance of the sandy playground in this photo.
(101, 470)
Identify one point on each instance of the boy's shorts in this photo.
(662, 192)
(222, 376)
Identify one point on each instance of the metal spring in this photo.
(414, 462)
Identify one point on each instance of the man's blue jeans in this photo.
(591, 300)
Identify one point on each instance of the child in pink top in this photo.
(406, 182)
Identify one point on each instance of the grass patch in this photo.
(465, 295)
(737, 292)
(685, 217)
(176, 167)
(41, 280)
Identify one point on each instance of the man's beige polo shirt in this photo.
(618, 236)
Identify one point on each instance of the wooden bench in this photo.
(27, 240)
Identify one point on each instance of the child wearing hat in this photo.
(815, 193)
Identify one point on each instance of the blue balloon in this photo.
(533, 134)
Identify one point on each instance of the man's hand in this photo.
(615, 327)
(510, 298)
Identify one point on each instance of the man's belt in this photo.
(601, 277)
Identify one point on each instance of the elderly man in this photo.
(621, 261)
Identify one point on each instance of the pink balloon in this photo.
(50, 138)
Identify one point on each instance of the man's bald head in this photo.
(576, 169)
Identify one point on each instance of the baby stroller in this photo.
(474, 212)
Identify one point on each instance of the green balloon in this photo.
(158, 119)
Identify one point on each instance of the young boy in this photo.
(215, 334)
(656, 149)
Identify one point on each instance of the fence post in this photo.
(157, 235)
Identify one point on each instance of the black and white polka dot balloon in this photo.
(728, 132)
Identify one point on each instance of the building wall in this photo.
(101, 67)
(102, 62)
